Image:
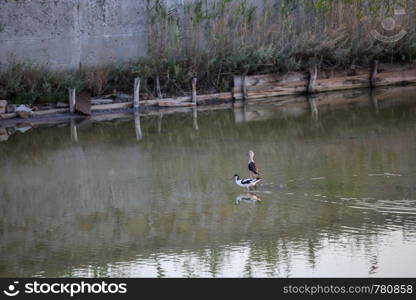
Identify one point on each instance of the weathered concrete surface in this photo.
(67, 34)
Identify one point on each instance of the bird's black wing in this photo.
(246, 181)
(252, 167)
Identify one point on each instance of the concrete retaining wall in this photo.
(69, 33)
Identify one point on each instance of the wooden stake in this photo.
(136, 98)
(158, 91)
(373, 76)
(194, 90)
(312, 80)
(72, 95)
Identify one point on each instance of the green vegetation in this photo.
(214, 40)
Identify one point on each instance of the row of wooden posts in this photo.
(247, 87)
(274, 85)
(136, 91)
(310, 90)
(136, 95)
(262, 86)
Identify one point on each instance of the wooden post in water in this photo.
(313, 74)
(194, 90)
(72, 97)
(74, 131)
(136, 97)
(373, 76)
(158, 90)
(137, 126)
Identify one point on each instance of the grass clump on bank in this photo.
(214, 40)
(26, 83)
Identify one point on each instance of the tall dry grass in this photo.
(214, 39)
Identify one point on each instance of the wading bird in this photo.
(247, 183)
(254, 171)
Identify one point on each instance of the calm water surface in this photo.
(338, 197)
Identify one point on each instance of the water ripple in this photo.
(405, 206)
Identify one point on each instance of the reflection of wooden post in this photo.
(374, 101)
(158, 90)
(159, 123)
(313, 74)
(74, 132)
(373, 76)
(194, 90)
(314, 108)
(136, 98)
(195, 118)
(245, 95)
(245, 112)
(240, 112)
(137, 126)
(72, 96)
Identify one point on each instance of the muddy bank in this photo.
(245, 88)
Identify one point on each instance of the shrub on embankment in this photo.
(214, 40)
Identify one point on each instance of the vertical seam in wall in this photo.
(146, 28)
(79, 33)
(105, 16)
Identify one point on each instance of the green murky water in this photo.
(338, 197)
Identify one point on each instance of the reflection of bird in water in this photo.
(248, 198)
(254, 171)
(247, 183)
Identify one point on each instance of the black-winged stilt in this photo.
(254, 171)
(247, 183)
